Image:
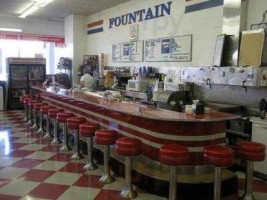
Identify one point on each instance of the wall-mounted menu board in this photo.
(170, 49)
(128, 52)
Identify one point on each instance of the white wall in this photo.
(36, 26)
(204, 25)
(75, 38)
(255, 10)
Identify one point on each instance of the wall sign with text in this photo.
(170, 49)
(128, 52)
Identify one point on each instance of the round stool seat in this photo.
(62, 117)
(74, 122)
(252, 151)
(53, 112)
(174, 155)
(37, 106)
(218, 156)
(88, 129)
(105, 136)
(128, 146)
(44, 109)
(32, 102)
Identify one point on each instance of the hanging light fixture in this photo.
(34, 7)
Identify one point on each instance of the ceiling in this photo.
(58, 9)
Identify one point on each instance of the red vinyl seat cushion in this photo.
(63, 116)
(218, 156)
(53, 112)
(105, 136)
(74, 122)
(88, 129)
(252, 151)
(44, 109)
(128, 146)
(174, 155)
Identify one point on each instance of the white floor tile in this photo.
(41, 155)
(79, 193)
(18, 188)
(33, 147)
(63, 178)
(7, 161)
(26, 140)
(12, 172)
(51, 165)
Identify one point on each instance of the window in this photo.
(30, 49)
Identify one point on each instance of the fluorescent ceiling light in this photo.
(11, 29)
(34, 7)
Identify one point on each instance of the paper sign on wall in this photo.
(128, 52)
(171, 49)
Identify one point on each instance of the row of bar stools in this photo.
(128, 147)
(251, 152)
(52, 113)
(73, 124)
(88, 130)
(62, 118)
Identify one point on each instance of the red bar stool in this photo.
(106, 138)
(128, 147)
(251, 152)
(74, 123)
(52, 113)
(88, 130)
(219, 157)
(173, 155)
(44, 111)
(30, 107)
(36, 111)
(62, 118)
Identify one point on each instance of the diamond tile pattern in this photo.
(32, 169)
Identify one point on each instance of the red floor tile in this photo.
(108, 194)
(8, 197)
(37, 175)
(27, 163)
(61, 157)
(73, 167)
(17, 145)
(20, 153)
(42, 141)
(89, 181)
(51, 149)
(258, 185)
(3, 182)
(34, 135)
(48, 191)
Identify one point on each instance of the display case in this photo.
(22, 74)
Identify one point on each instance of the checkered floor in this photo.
(31, 169)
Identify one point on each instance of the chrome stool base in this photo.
(90, 167)
(249, 180)
(106, 177)
(77, 156)
(128, 193)
(55, 140)
(65, 148)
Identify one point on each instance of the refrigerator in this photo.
(22, 74)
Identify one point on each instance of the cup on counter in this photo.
(189, 110)
(207, 110)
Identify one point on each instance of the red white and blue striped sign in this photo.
(197, 5)
(95, 27)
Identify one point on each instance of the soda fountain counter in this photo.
(155, 127)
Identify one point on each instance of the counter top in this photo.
(135, 109)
